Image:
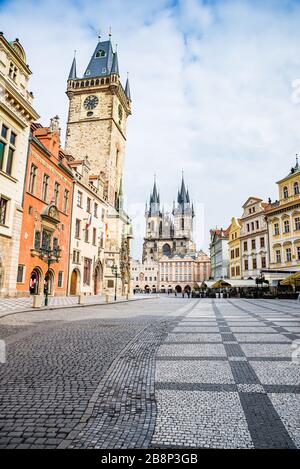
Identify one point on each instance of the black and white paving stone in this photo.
(164, 373)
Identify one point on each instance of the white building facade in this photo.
(254, 238)
(219, 254)
(88, 232)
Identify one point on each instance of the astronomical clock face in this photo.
(91, 102)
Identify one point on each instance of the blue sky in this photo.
(214, 87)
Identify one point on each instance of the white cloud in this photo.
(212, 87)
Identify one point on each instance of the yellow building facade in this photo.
(283, 218)
(234, 247)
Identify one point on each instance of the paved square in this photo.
(161, 373)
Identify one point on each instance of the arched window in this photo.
(97, 82)
(92, 82)
(166, 250)
(296, 188)
(87, 83)
(182, 223)
(285, 192)
(160, 228)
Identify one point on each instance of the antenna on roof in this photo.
(99, 35)
(109, 33)
(75, 53)
(297, 159)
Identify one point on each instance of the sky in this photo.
(215, 92)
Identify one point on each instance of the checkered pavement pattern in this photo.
(228, 376)
(8, 305)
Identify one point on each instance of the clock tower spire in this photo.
(98, 111)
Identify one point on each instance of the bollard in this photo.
(81, 299)
(107, 297)
(37, 301)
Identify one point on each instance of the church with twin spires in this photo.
(168, 234)
(170, 261)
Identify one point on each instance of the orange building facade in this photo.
(47, 203)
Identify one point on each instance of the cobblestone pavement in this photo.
(162, 373)
(8, 305)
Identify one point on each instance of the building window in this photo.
(46, 239)
(245, 246)
(37, 240)
(45, 187)
(32, 179)
(278, 256)
(66, 200)
(77, 228)
(94, 236)
(55, 245)
(56, 193)
(2, 151)
(96, 210)
(10, 158)
(285, 192)
(4, 131)
(232, 254)
(12, 71)
(288, 254)
(276, 229)
(286, 225)
(20, 274)
(60, 279)
(232, 271)
(3, 210)
(76, 256)
(86, 235)
(88, 205)
(298, 253)
(254, 263)
(297, 223)
(262, 242)
(296, 188)
(257, 224)
(237, 252)
(87, 271)
(238, 270)
(253, 244)
(248, 227)
(110, 284)
(263, 262)
(79, 199)
(246, 264)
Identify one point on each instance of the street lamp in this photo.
(50, 256)
(114, 270)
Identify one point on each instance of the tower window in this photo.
(100, 53)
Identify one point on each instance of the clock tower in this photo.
(98, 110)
